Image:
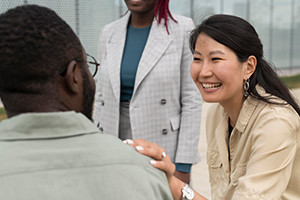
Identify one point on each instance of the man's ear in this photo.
(250, 66)
(73, 77)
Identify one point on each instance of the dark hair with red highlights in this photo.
(162, 10)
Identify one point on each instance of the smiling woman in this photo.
(219, 75)
(252, 130)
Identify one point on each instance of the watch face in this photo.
(188, 192)
(190, 195)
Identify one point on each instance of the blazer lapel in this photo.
(157, 43)
(115, 48)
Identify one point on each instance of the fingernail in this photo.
(164, 154)
(152, 162)
(128, 141)
(139, 148)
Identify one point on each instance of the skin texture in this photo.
(89, 89)
(77, 89)
(141, 7)
(142, 12)
(219, 75)
(185, 177)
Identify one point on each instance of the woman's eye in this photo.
(215, 59)
(196, 59)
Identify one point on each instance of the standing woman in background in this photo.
(144, 87)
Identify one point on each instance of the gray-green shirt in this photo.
(62, 155)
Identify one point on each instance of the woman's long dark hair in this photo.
(240, 36)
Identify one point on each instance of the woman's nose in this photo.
(205, 70)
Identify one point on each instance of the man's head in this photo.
(35, 46)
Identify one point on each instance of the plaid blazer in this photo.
(166, 105)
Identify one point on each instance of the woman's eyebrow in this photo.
(216, 52)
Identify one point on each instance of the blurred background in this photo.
(276, 21)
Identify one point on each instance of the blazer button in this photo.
(102, 103)
(165, 131)
(101, 129)
(163, 101)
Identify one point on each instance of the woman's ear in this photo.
(72, 77)
(250, 66)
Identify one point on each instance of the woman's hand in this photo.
(161, 160)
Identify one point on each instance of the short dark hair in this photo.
(35, 45)
(241, 37)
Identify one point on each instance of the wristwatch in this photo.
(187, 193)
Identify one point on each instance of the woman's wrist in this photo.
(176, 186)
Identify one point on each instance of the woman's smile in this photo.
(212, 86)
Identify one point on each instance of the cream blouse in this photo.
(264, 152)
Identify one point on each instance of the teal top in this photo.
(136, 40)
(62, 155)
(183, 167)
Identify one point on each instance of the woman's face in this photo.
(140, 6)
(217, 72)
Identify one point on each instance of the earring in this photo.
(246, 87)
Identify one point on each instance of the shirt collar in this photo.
(248, 108)
(46, 125)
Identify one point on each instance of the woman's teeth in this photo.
(211, 86)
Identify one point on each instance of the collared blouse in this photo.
(261, 158)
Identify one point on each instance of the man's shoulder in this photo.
(99, 157)
(122, 165)
(122, 153)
